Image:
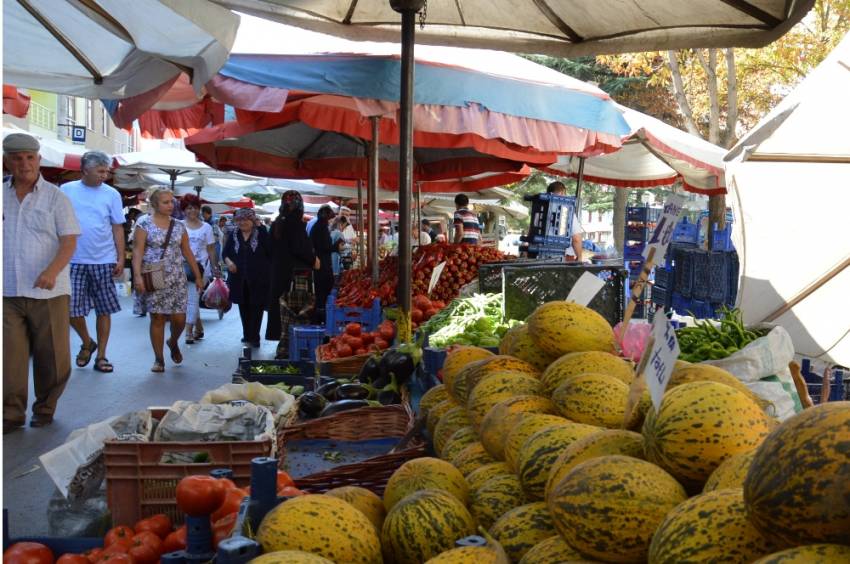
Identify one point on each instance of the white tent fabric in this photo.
(54, 153)
(791, 217)
(273, 207)
(555, 27)
(124, 48)
(654, 154)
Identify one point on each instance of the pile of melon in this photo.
(550, 452)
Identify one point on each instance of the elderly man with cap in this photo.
(100, 213)
(39, 238)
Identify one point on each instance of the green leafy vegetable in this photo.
(476, 320)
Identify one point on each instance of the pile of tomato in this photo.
(354, 341)
(150, 538)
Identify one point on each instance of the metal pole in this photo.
(578, 184)
(372, 197)
(408, 9)
(362, 243)
(418, 227)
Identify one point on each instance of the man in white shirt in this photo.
(99, 210)
(39, 237)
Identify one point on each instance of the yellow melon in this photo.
(562, 327)
(459, 358)
(597, 362)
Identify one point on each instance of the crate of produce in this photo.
(140, 481)
(336, 317)
(684, 277)
(271, 372)
(634, 251)
(700, 263)
(349, 448)
(303, 340)
(644, 214)
(686, 232)
(638, 233)
(551, 217)
(663, 297)
(664, 277)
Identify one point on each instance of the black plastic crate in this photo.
(684, 278)
(490, 274)
(645, 214)
(718, 277)
(701, 273)
(663, 277)
(553, 251)
(662, 297)
(306, 372)
(551, 218)
(732, 271)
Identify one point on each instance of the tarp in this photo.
(54, 153)
(790, 193)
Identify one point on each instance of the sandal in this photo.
(102, 364)
(176, 355)
(199, 335)
(189, 340)
(158, 365)
(84, 356)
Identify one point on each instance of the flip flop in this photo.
(176, 355)
(102, 364)
(84, 356)
(158, 365)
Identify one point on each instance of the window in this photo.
(104, 121)
(71, 109)
(90, 115)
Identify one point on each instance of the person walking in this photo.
(293, 261)
(202, 243)
(467, 228)
(323, 278)
(39, 238)
(161, 239)
(248, 259)
(99, 257)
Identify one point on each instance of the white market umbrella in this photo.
(54, 153)
(113, 49)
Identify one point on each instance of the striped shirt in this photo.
(31, 231)
(471, 229)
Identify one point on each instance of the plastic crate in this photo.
(700, 261)
(547, 252)
(732, 271)
(680, 303)
(684, 277)
(645, 214)
(721, 239)
(814, 383)
(551, 218)
(433, 359)
(634, 251)
(303, 340)
(663, 277)
(718, 277)
(641, 311)
(686, 232)
(637, 233)
(336, 318)
(139, 485)
(662, 297)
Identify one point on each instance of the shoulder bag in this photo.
(153, 274)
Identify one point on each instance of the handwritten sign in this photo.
(662, 357)
(585, 289)
(663, 233)
(435, 276)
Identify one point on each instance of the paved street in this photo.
(92, 396)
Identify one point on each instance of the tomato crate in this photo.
(336, 317)
(139, 484)
(303, 340)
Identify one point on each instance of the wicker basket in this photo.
(356, 425)
(338, 367)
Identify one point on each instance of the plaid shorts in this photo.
(92, 284)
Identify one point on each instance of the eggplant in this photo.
(310, 404)
(389, 397)
(328, 391)
(343, 405)
(352, 392)
(401, 362)
(370, 371)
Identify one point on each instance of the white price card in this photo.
(435, 276)
(663, 233)
(662, 357)
(585, 289)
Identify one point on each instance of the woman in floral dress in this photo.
(169, 303)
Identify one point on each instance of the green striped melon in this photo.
(459, 358)
(423, 474)
(493, 498)
(522, 427)
(731, 473)
(561, 327)
(436, 413)
(634, 420)
(459, 440)
(477, 477)
(472, 373)
(496, 387)
(451, 421)
(553, 550)
(541, 450)
(609, 507)
(467, 555)
(290, 557)
(500, 419)
(603, 443)
(797, 489)
(365, 501)
(521, 345)
(593, 399)
(473, 456)
(700, 425)
(596, 362)
(521, 528)
(710, 527)
(322, 525)
(431, 398)
(510, 336)
(708, 373)
(423, 525)
(809, 554)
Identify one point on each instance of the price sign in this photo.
(435, 276)
(662, 357)
(585, 289)
(663, 233)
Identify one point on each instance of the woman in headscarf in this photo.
(320, 236)
(247, 255)
(293, 262)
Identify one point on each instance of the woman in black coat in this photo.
(324, 276)
(247, 255)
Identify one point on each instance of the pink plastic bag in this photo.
(217, 295)
(635, 339)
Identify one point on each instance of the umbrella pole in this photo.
(579, 181)
(372, 201)
(362, 243)
(418, 225)
(408, 9)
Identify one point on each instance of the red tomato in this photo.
(289, 491)
(175, 541)
(223, 528)
(121, 532)
(116, 558)
(145, 548)
(368, 339)
(422, 302)
(284, 479)
(199, 495)
(232, 501)
(360, 351)
(121, 546)
(353, 329)
(386, 330)
(93, 554)
(355, 343)
(72, 559)
(429, 313)
(416, 315)
(381, 343)
(159, 524)
(344, 351)
(28, 553)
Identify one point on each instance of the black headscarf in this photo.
(291, 205)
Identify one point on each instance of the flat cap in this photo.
(19, 142)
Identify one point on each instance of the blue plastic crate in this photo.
(662, 297)
(721, 239)
(638, 233)
(684, 272)
(634, 251)
(643, 213)
(336, 318)
(700, 261)
(814, 383)
(57, 545)
(732, 271)
(718, 277)
(433, 359)
(547, 251)
(303, 340)
(686, 232)
(551, 218)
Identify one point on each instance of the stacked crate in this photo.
(550, 226)
(640, 223)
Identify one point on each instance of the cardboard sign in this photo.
(435, 276)
(663, 233)
(585, 289)
(662, 357)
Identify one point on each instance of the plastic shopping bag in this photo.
(217, 295)
(635, 339)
